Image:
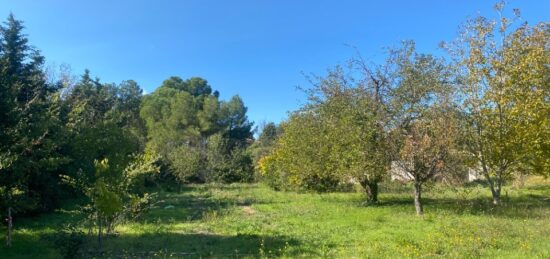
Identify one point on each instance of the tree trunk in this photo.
(99, 231)
(371, 189)
(10, 227)
(372, 192)
(496, 192)
(496, 197)
(417, 199)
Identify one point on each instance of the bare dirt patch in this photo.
(249, 211)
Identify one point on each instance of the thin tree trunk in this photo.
(495, 192)
(372, 192)
(99, 232)
(496, 197)
(10, 227)
(417, 198)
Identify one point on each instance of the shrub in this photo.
(270, 174)
(68, 241)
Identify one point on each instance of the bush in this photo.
(68, 241)
(239, 168)
(227, 163)
(186, 163)
(137, 206)
(271, 175)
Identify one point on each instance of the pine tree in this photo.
(28, 149)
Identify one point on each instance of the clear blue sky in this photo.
(254, 48)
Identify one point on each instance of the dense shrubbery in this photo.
(69, 241)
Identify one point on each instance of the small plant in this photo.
(69, 240)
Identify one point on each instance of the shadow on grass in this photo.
(162, 245)
(540, 187)
(187, 207)
(216, 186)
(194, 246)
(195, 203)
(235, 186)
(526, 206)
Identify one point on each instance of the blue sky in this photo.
(255, 48)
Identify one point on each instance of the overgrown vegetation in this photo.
(148, 174)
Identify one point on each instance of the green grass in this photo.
(250, 220)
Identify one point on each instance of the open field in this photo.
(250, 220)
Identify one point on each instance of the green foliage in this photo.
(227, 164)
(143, 169)
(272, 175)
(240, 168)
(118, 197)
(29, 126)
(338, 137)
(187, 163)
(139, 205)
(302, 157)
(426, 127)
(269, 134)
(106, 202)
(265, 143)
(504, 73)
(235, 122)
(197, 136)
(103, 123)
(69, 241)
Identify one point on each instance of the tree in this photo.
(339, 136)
(234, 120)
(225, 163)
(504, 72)
(269, 134)
(372, 121)
(345, 123)
(356, 129)
(29, 126)
(302, 156)
(265, 143)
(129, 95)
(183, 116)
(424, 117)
(115, 196)
(102, 123)
(530, 94)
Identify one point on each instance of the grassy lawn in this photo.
(250, 220)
